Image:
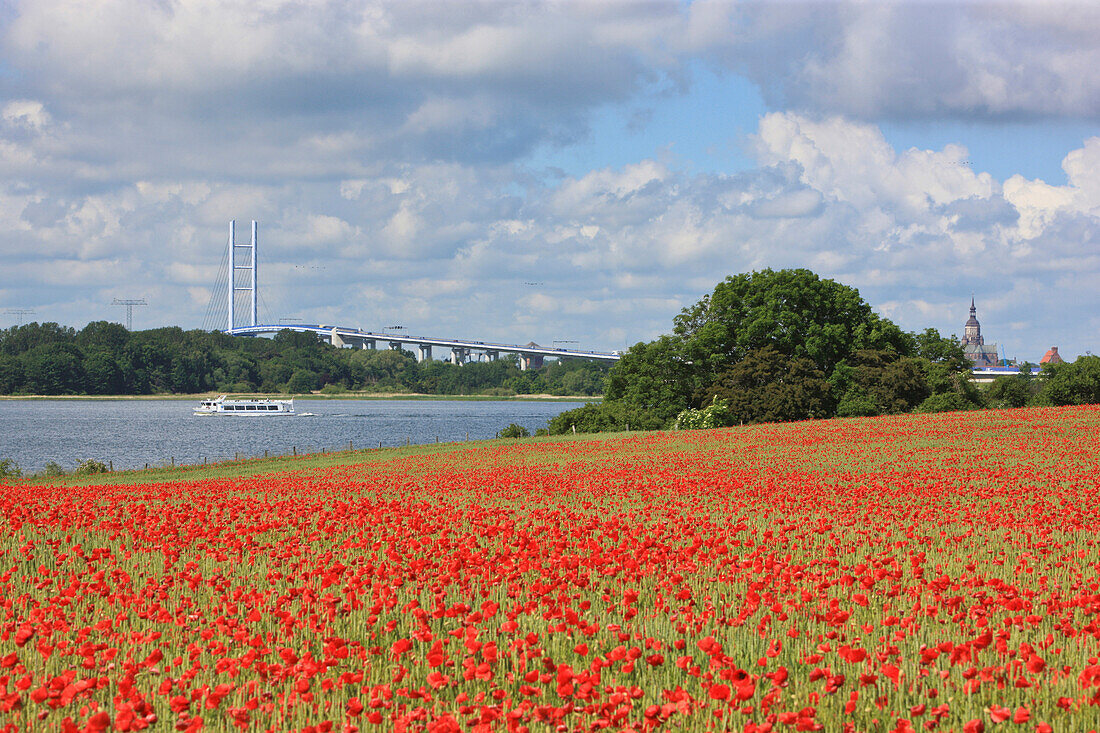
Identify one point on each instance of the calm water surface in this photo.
(131, 433)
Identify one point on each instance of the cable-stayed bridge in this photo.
(243, 283)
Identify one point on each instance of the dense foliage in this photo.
(774, 346)
(778, 346)
(894, 574)
(105, 358)
(793, 311)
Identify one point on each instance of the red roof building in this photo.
(1051, 357)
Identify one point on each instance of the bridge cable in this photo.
(217, 310)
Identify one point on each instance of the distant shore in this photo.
(337, 396)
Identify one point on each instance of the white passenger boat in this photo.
(225, 406)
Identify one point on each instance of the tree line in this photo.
(105, 359)
(774, 346)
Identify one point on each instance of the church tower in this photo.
(972, 331)
(973, 344)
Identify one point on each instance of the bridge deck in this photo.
(355, 335)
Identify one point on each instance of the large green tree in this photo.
(794, 311)
(794, 314)
(767, 386)
(654, 377)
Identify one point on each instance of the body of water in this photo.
(132, 433)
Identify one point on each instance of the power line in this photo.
(20, 312)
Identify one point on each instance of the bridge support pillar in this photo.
(491, 356)
(336, 340)
(459, 355)
(369, 344)
(524, 362)
(423, 352)
(395, 345)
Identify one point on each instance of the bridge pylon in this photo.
(463, 351)
(251, 286)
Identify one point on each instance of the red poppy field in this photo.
(918, 572)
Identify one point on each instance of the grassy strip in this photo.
(304, 462)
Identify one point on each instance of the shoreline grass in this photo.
(245, 467)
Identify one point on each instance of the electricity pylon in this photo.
(129, 310)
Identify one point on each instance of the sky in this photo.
(552, 171)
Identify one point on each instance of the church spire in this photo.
(972, 331)
(973, 343)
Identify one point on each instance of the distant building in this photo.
(534, 360)
(1051, 357)
(974, 346)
